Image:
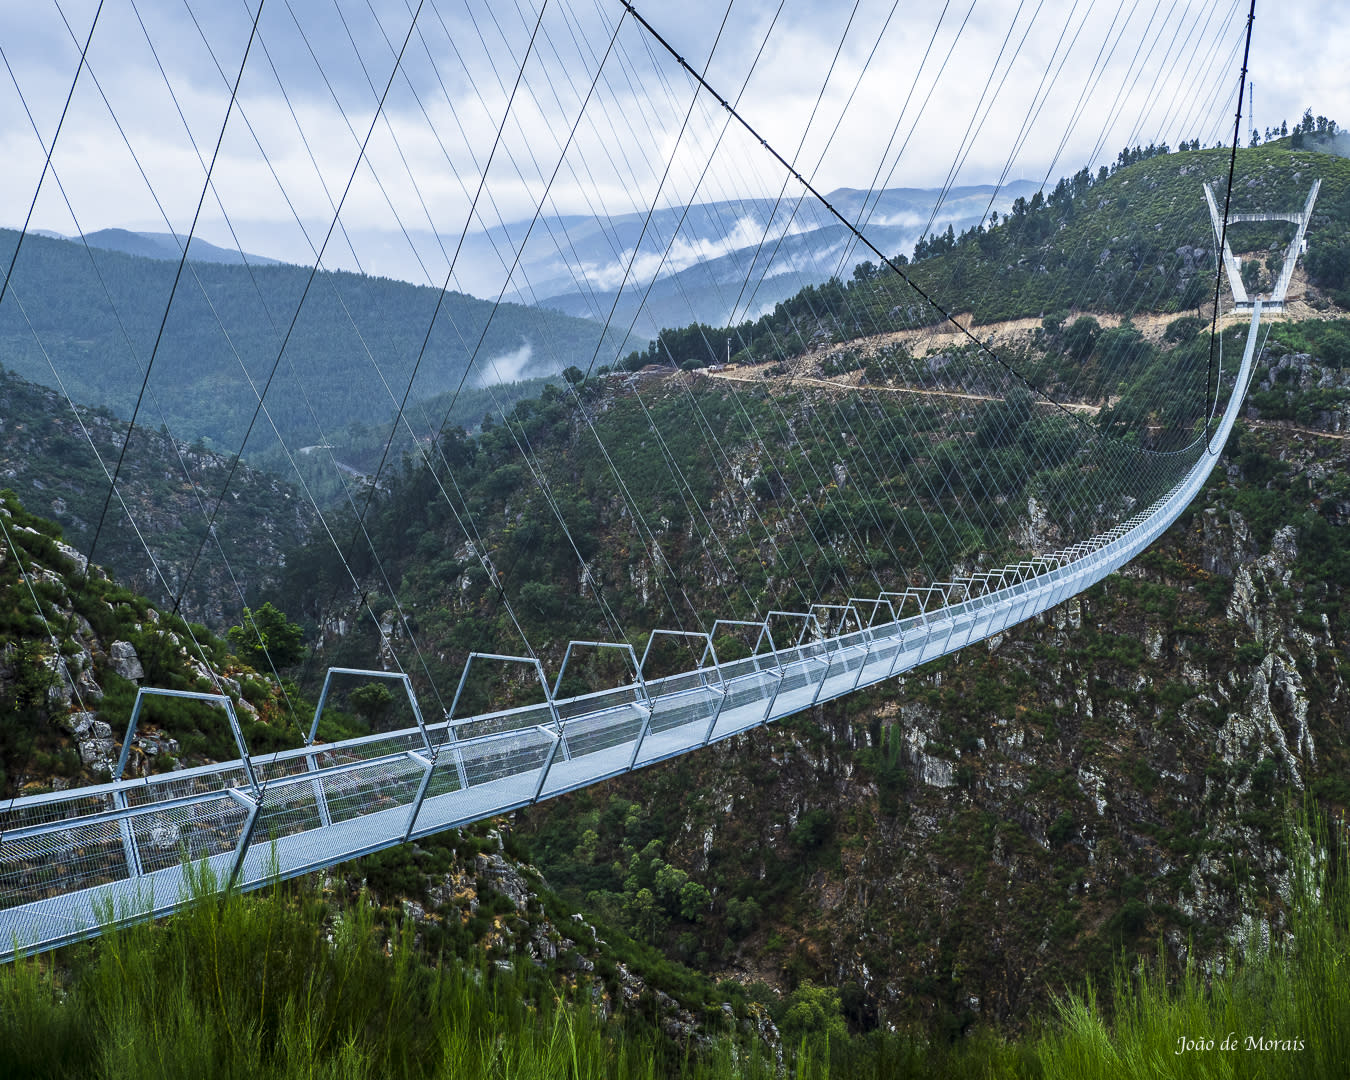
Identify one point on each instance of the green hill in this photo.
(167, 491)
(229, 330)
(1137, 238)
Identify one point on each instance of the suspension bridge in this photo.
(73, 862)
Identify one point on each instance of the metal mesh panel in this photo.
(49, 864)
(371, 788)
(591, 734)
(491, 796)
(800, 675)
(367, 749)
(737, 668)
(506, 755)
(749, 689)
(691, 707)
(21, 815)
(445, 774)
(287, 809)
(843, 674)
(688, 680)
(182, 785)
(747, 699)
(495, 723)
(798, 687)
(279, 768)
(591, 703)
(882, 656)
(679, 723)
(854, 659)
(194, 831)
(565, 775)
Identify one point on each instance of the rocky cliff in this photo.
(74, 648)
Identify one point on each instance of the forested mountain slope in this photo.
(1138, 238)
(234, 322)
(168, 491)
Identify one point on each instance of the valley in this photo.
(918, 872)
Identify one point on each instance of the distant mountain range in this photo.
(717, 270)
(157, 245)
(628, 269)
(93, 322)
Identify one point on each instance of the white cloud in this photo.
(636, 269)
(628, 150)
(506, 367)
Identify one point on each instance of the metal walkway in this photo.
(72, 862)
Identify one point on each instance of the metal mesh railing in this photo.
(43, 810)
(189, 833)
(36, 866)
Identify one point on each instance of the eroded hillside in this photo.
(167, 492)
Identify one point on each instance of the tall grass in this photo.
(1279, 1008)
(277, 985)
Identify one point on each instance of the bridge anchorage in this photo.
(72, 862)
(1274, 303)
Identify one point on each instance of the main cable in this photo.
(1211, 383)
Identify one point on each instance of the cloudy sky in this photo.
(919, 94)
